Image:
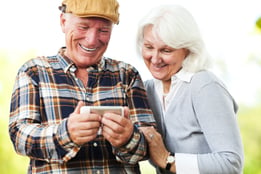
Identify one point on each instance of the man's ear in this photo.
(62, 21)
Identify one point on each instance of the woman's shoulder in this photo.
(148, 82)
(203, 78)
(149, 85)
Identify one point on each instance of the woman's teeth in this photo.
(159, 66)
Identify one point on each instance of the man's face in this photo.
(86, 38)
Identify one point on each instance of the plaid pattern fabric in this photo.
(46, 91)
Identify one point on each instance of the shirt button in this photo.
(95, 144)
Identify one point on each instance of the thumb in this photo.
(78, 107)
(126, 112)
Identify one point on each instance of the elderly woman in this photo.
(195, 113)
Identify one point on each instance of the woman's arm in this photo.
(216, 113)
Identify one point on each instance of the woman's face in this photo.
(86, 39)
(161, 60)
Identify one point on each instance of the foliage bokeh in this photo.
(249, 119)
(258, 23)
(10, 162)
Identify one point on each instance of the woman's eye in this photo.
(148, 47)
(167, 51)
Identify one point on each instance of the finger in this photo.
(86, 118)
(87, 132)
(146, 130)
(112, 124)
(75, 127)
(108, 133)
(143, 129)
(78, 107)
(149, 133)
(80, 140)
(89, 125)
(116, 139)
(126, 112)
(111, 118)
(116, 122)
(91, 117)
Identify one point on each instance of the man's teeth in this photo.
(87, 49)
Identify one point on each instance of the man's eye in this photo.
(83, 28)
(104, 31)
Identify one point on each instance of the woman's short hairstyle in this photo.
(176, 27)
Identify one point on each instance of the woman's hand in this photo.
(157, 149)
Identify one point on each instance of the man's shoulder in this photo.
(38, 62)
(118, 64)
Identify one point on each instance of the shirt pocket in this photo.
(110, 95)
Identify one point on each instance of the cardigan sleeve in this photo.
(216, 113)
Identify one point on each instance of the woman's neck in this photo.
(166, 86)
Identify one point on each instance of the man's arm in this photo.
(136, 148)
(30, 137)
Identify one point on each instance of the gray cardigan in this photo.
(201, 120)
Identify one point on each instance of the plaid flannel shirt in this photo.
(46, 91)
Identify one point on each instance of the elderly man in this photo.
(45, 119)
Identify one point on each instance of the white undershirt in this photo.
(176, 81)
(185, 163)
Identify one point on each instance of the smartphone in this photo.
(102, 110)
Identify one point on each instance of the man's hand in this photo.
(117, 129)
(83, 127)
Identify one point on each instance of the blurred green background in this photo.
(249, 116)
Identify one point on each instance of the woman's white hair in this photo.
(176, 27)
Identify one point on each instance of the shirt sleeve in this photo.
(50, 142)
(185, 167)
(140, 112)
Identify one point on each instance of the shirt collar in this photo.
(183, 76)
(68, 65)
(180, 76)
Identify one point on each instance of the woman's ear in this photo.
(186, 52)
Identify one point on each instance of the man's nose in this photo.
(91, 37)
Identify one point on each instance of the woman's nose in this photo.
(155, 57)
